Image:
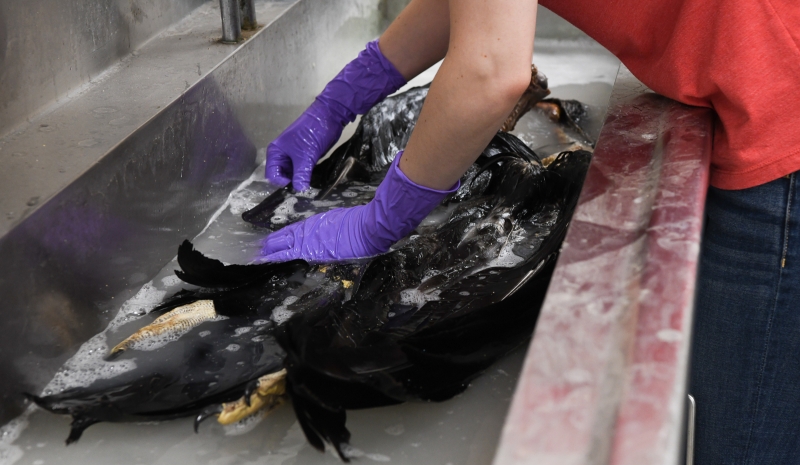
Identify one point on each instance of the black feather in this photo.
(372, 351)
(202, 271)
(78, 426)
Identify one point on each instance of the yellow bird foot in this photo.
(270, 393)
(169, 326)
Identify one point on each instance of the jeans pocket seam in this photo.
(787, 218)
(770, 319)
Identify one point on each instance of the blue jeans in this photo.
(745, 373)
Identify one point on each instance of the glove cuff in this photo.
(362, 83)
(399, 206)
(412, 185)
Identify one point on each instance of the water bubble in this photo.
(104, 110)
(121, 121)
(396, 430)
(88, 143)
(242, 330)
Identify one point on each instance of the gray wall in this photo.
(551, 26)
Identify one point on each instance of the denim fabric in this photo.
(745, 373)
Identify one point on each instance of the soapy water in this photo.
(417, 298)
(228, 238)
(245, 425)
(161, 340)
(9, 433)
(242, 330)
(281, 313)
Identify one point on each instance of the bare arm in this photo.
(488, 49)
(418, 37)
(486, 69)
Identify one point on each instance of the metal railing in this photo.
(236, 15)
(604, 380)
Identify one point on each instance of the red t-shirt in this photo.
(739, 57)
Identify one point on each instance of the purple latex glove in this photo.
(364, 82)
(345, 233)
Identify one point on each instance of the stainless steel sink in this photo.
(99, 188)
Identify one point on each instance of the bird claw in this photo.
(207, 413)
(268, 392)
(251, 388)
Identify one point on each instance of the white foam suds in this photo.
(286, 207)
(325, 203)
(169, 281)
(242, 330)
(235, 196)
(204, 333)
(87, 366)
(430, 274)
(10, 432)
(280, 313)
(395, 430)
(138, 305)
(243, 199)
(351, 453)
(506, 258)
(309, 193)
(417, 298)
(260, 322)
(233, 347)
(246, 424)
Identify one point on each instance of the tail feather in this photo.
(321, 425)
(202, 271)
(78, 426)
(180, 298)
(43, 403)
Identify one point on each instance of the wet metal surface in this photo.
(49, 48)
(604, 381)
(55, 148)
(464, 430)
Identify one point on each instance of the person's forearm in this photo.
(418, 37)
(486, 70)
